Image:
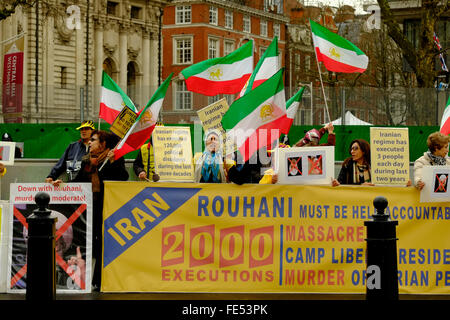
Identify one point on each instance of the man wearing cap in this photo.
(71, 159)
(312, 137)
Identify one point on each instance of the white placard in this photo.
(7, 152)
(436, 179)
(72, 204)
(305, 165)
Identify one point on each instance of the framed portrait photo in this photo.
(7, 152)
(305, 165)
(436, 179)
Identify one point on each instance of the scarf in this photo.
(361, 173)
(211, 166)
(436, 160)
(92, 168)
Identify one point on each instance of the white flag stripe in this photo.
(345, 56)
(269, 67)
(112, 99)
(253, 120)
(290, 113)
(229, 71)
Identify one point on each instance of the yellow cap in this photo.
(87, 124)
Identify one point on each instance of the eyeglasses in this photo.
(92, 139)
(354, 148)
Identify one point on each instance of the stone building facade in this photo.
(70, 43)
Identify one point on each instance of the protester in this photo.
(71, 158)
(271, 176)
(96, 167)
(2, 169)
(356, 169)
(209, 164)
(7, 137)
(437, 155)
(313, 136)
(247, 172)
(144, 164)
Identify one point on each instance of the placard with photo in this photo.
(436, 187)
(305, 165)
(7, 152)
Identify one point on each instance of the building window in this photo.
(111, 8)
(213, 48)
(247, 27)
(135, 12)
(261, 51)
(213, 99)
(213, 15)
(183, 14)
(297, 62)
(263, 28)
(228, 19)
(276, 30)
(183, 97)
(63, 77)
(307, 63)
(228, 47)
(183, 51)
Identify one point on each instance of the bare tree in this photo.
(422, 58)
(8, 7)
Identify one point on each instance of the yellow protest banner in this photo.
(389, 152)
(173, 153)
(123, 122)
(186, 237)
(211, 117)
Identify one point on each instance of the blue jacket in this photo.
(75, 151)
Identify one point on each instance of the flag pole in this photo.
(321, 82)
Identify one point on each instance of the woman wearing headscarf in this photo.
(356, 168)
(209, 166)
(437, 155)
(96, 167)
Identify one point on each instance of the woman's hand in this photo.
(334, 182)
(56, 183)
(368, 184)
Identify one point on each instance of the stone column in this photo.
(154, 67)
(123, 56)
(99, 57)
(146, 66)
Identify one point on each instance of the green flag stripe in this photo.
(324, 33)
(296, 97)
(159, 94)
(109, 84)
(237, 55)
(245, 105)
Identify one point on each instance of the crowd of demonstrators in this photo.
(96, 167)
(70, 161)
(144, 164)
(437, 155)
(356, 168)
(209, 166)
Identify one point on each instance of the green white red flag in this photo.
(255, 120)
(445, 121)
(291, 110)
(267, 66)
(224, 75)
(143, 127)
(336, 53)
(112, 100)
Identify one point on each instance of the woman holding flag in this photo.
(97, 166)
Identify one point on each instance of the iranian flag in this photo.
(291, 110)
(337, 53)
(143, 127)
(256, 119)
(267, 66)
(224, 75)
(112, 100)
(445, 122)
